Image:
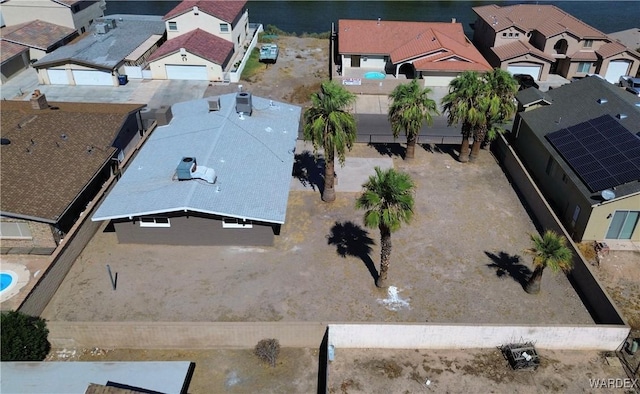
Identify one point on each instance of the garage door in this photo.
(534, 71)
(58, 77)
(616, 69)
(133, 72)
(92, 77)
(193, 73)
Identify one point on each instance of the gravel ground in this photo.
(460, 260)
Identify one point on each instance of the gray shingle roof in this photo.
(106, 51)
(578, 102)
(252, 158)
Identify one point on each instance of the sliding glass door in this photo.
(623, 224)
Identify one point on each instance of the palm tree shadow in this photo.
(389, 149)
(309, 170)
(506, 264)
(352, 240)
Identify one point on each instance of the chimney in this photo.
(38, 100)
(453, 20)
(378, 21)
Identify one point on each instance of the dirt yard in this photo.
(301, 66)
(467, 371)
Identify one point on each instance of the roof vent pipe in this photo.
(453, 20)
(378, 21)
(621, 116)
(602, 101)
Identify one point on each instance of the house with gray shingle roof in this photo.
(218, 174)
(437, 52)
(203, 36)
(55, 157)
(581, 144)
(539, 40)
(105, 54)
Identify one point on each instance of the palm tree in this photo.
(329, 125)
(410, 107)
(460, 104)
(497, 102)
(551, 251)
(388, 201)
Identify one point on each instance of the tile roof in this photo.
(252, 158)
(225, 10)
(577, 102)
(67, 3)
(583, 56)
(519, 48)
(42, 173)
(199, 43)
(547, 19)
(8, 50)
(403, 41)
(107, 51)
(36, 34)
(613, 48)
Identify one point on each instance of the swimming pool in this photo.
(6, 279)
(374, 75)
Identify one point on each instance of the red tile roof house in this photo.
(542, 39)
(434, 51)
(203, 36)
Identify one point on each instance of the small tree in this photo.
(268, 350)
(551, 251)
(24, 337)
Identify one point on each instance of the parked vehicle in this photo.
(631, 84)
(525, 81)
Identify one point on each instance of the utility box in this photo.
(186, 166)
(243, 103)
(164, 115)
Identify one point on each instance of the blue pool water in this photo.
(374, 75)
(5, 280)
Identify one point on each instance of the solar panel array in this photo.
(601, 151)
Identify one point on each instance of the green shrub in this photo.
(24, 337)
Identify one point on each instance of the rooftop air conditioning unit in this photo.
(214, 104)
(110, 22)
(243, 103)
(102, 28)
(186, 166)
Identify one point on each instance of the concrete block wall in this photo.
(457, 336)
(592, 293)
(183, 335)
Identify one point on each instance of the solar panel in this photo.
(601, 151)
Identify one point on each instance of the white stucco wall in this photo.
(191, 20)
(158, 70)
(445, 336)
(19, 11)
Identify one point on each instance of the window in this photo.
(549, 168)
(517, 34)
(623, 224)
(510, 34)
(504, 34)
(224, 28)
(584, 67)
(236, 223)
(154, 222)
(173, 26)
(15, 230)
(588, 43)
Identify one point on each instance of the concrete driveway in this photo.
(154, 93)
